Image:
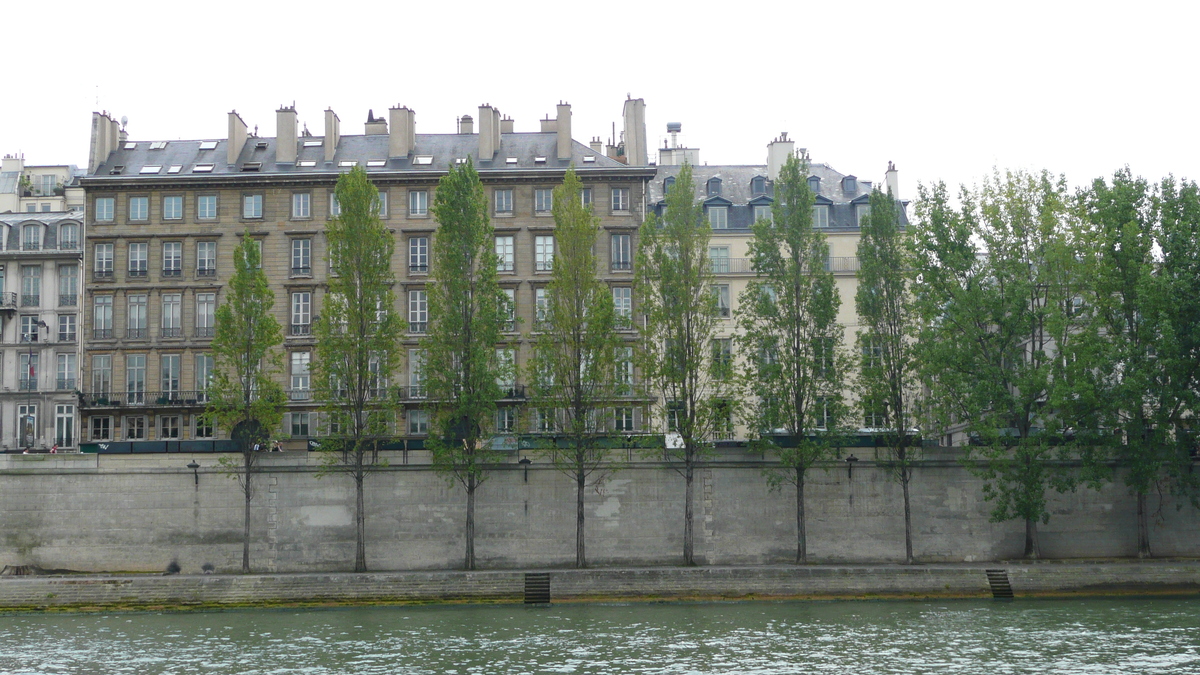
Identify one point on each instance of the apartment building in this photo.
(165, 216)
(39, 189)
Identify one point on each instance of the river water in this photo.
(1097, 636)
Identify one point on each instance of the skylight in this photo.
(589, 159)
(460, 160)
(313, 144)
(175, 168)
(251, 166)
(347, 162)
(376, 162)
(208, 145)
(539, 160)
(203, 168)
(131, 146)
(423, 159)
(151, 169)
(116, 170)
(158, 145)
(306, 162)
(510, 160)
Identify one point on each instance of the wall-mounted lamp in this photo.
(525, 462)
(850, 466)
(194, 466)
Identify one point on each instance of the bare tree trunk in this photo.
(1033, 549)
(580, 555)
(246, 528)
(801, 534)
(360, 534)
(1143, 527)
(688, 541)
(470, 555)
(905, 477)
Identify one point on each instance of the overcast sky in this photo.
(946, 90)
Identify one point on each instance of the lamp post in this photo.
(525, 462)
(195, 466)
(29, 421)
(850, 466)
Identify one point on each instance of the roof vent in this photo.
(116, 170)
(251, 166)
(261, 145)
(423, 159)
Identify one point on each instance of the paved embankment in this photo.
(664, 583)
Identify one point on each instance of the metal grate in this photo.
(537, 588)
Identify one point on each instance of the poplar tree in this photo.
(674, 283)
(243, 395)
(357, 348)
(795, 366)
(576, 361)
(887, 386)
(461, 368)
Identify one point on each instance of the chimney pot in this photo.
(466, 125)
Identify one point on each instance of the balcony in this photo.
(30, 337)
(65, 384)
(204, 331)
(136, 334)
(30, 299)
(27, 384)
(418, 268)
(102, 333)
(172, 332)
(66, 336)
(622, 266)
(172, 272)
(8, 301)
(544, 266)
(300, 330)
(206, 272)
(68, 245)
(300, 395)
(138, 273)
(183, 399)
(65, 300)
(301, 271)
(417, 327)
(102, 274)
(31, 246)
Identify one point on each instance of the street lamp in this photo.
(850, 466)
(525, 462)
(194, 466)
(29, 421)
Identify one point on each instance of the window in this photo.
(31, 237)
(206, 207)
(623, 419)
(301, 205)
(861, 213)
(543, 200)
(135, 378)
(172, 253)
(30, 328)
(418, 203)
(547, 420)
(31, 208)
(814, 184)
(104, 209)
(31, 285)
(820, 216)
(206, 311)
(622, 252)
(136, 326)
(418, 254)
(171, 311)
(301, 313)
(721, 293)
(718, 259)
(335, 209)
(168, 426)
(68, 285)
(252, 206)
(173, 207)
(620, 199)
(138, 259)
(102, 374)
(102, 317)
(66, 328)
(850, 184)
(543, 253)
(585, 197)
(821, 416)
(713, 187)
(301, 257)
(383, 204)
(169, 370)
(510, 309)
(416, 375)
(623, 306)
(101, 428)
(203, 427)
(758, 185)
(135, 428)
(139, 208)
(506, 369)
(762, 212)
(300, 376)
(504, 201)
(718, 217)
(504, 253)
(667, 183)
(29, 372)
(541, 307)
(625, 370)
(506, 420)
(27, 421)
(722, 359)
(205, 367)
(68, 237)
(418, 311)
(206, 259)
(299, 426)
(104, 261)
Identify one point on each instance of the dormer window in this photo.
(668, 183)
(814, 185)
(850, 184)
(713, 188)
(758, 186)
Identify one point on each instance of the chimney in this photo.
(489, 132)
(892, 179)
(549, 125)
(376, 126)
(778, 152)
(100, 147)
(563, 127)
(635, 132)
(237, 138)
(466, 125)
(114, 134)
(333, 133)
(596, 145)
(506, 125)
(285, 135)
(402, 139)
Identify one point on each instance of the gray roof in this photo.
(443, 148)
(46, 217)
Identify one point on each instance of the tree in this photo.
(243, 394)
(577, 359)
(994, 320)
(674, 283)
(357, 348)
(887, 382)
(794, 378)
(461, 367)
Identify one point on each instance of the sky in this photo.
(949, 91)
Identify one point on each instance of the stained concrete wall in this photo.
(138, 513)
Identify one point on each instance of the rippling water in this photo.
(1051, 636)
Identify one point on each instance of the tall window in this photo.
(718, 217)
(721, 293)
(31, 237)
(138, 265)
(28, 371)
(418, 254)
(300, 376)
(206, 207)
(416, 373)
(625, 369)
(102, 374)
(30, 328)
(135, 428)
(64, 425)
(623, 306)
(172, 325)
(206, 311)
(102, 317)
(301, 257)
(620, 199)
(504, 201)
(820, 215)
(104, 261)
(300, 424)
(169, 370)
(31, 285)
(68, 237)
(172, 252)
(301, 205)
(506, 363)
(862, 212)
(418, 203)
(585, 197)
(205, 367)
(623, 419)
(718, 258)
(722, 355)
(622, 252)
(510, 309)
(335, 209)
(252, 206)
(168, 426)
(104, 209)
(543, 253)
(301, 313)
(504, 253)
(762, 212)
(135, 377)
(206, 258)
(68, 285)
(173, 207)
(506, 420)
(418, 422)
(136, 326)
(66, 327)
(139, 208)
(101, 428)
(543, 200)
(541, 307)
(418, 311)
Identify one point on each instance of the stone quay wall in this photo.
(138, 513)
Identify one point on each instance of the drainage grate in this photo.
(537, 588)
(998, 581)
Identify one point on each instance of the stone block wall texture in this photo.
(98, 513)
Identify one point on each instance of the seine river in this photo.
(1030, 636)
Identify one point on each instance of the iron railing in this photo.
(140, 398)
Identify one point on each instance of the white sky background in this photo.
(948, 90)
